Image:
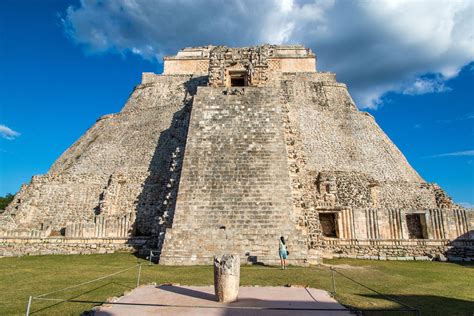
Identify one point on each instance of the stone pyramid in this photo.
(226, 151)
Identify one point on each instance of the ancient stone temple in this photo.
(226, 151)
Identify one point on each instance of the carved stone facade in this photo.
(226, 151)
(250, 62)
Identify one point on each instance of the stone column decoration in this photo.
(226, 277)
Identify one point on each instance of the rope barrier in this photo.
(375, 291)
(84, 283)
(42, 296)
(407, 307)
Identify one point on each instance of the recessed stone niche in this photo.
(238, 78)
(329, 224)
(416, 224)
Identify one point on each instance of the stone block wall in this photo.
(121, 165)
(15, 246)
(422, 250)
(337, 136)
(344, 167)
(190, 60)
(186, 66)
(235, 193)
(103, 226)
(389, 233)
(297, 64)
(201, 60)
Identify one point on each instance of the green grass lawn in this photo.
(434, 288)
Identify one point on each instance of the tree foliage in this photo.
(5, 200)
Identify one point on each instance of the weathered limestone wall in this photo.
(59, 245)
(392, 223)
(357, 189)
(385, 234)
(190, 60)
(297, 64)
(107, 145)
(120, 167)
(339, 137)
(279, 58)
(343, 165)
(235, 194)
(376, 249)
(186, 66)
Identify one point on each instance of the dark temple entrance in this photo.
(238, 78)
(328, 224)
(416, 224)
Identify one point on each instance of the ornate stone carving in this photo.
(251, 60)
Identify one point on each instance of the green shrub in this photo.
(5, 200)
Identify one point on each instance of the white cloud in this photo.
(466, 205)
(456, 154)
(8, 133)
(375, 46)
(423, 85)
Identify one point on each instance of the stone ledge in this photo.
(65, 240)
(398, 258)
(245, 260)
(397, 242)
(16, 247)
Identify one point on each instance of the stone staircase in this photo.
(235, 193)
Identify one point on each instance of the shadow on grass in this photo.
(426, 304)
(126, 287)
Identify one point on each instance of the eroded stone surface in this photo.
(226, 277)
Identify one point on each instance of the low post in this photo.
(29, 306)
(333, 281)
(226, 277)
(139, 272)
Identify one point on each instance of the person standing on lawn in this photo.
(283, 252)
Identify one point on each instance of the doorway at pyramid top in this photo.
(239, 67)
(237, 78)
(237, 73)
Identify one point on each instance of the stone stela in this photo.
(226, 151)
(226, 277)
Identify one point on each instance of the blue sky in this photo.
(64, 64)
